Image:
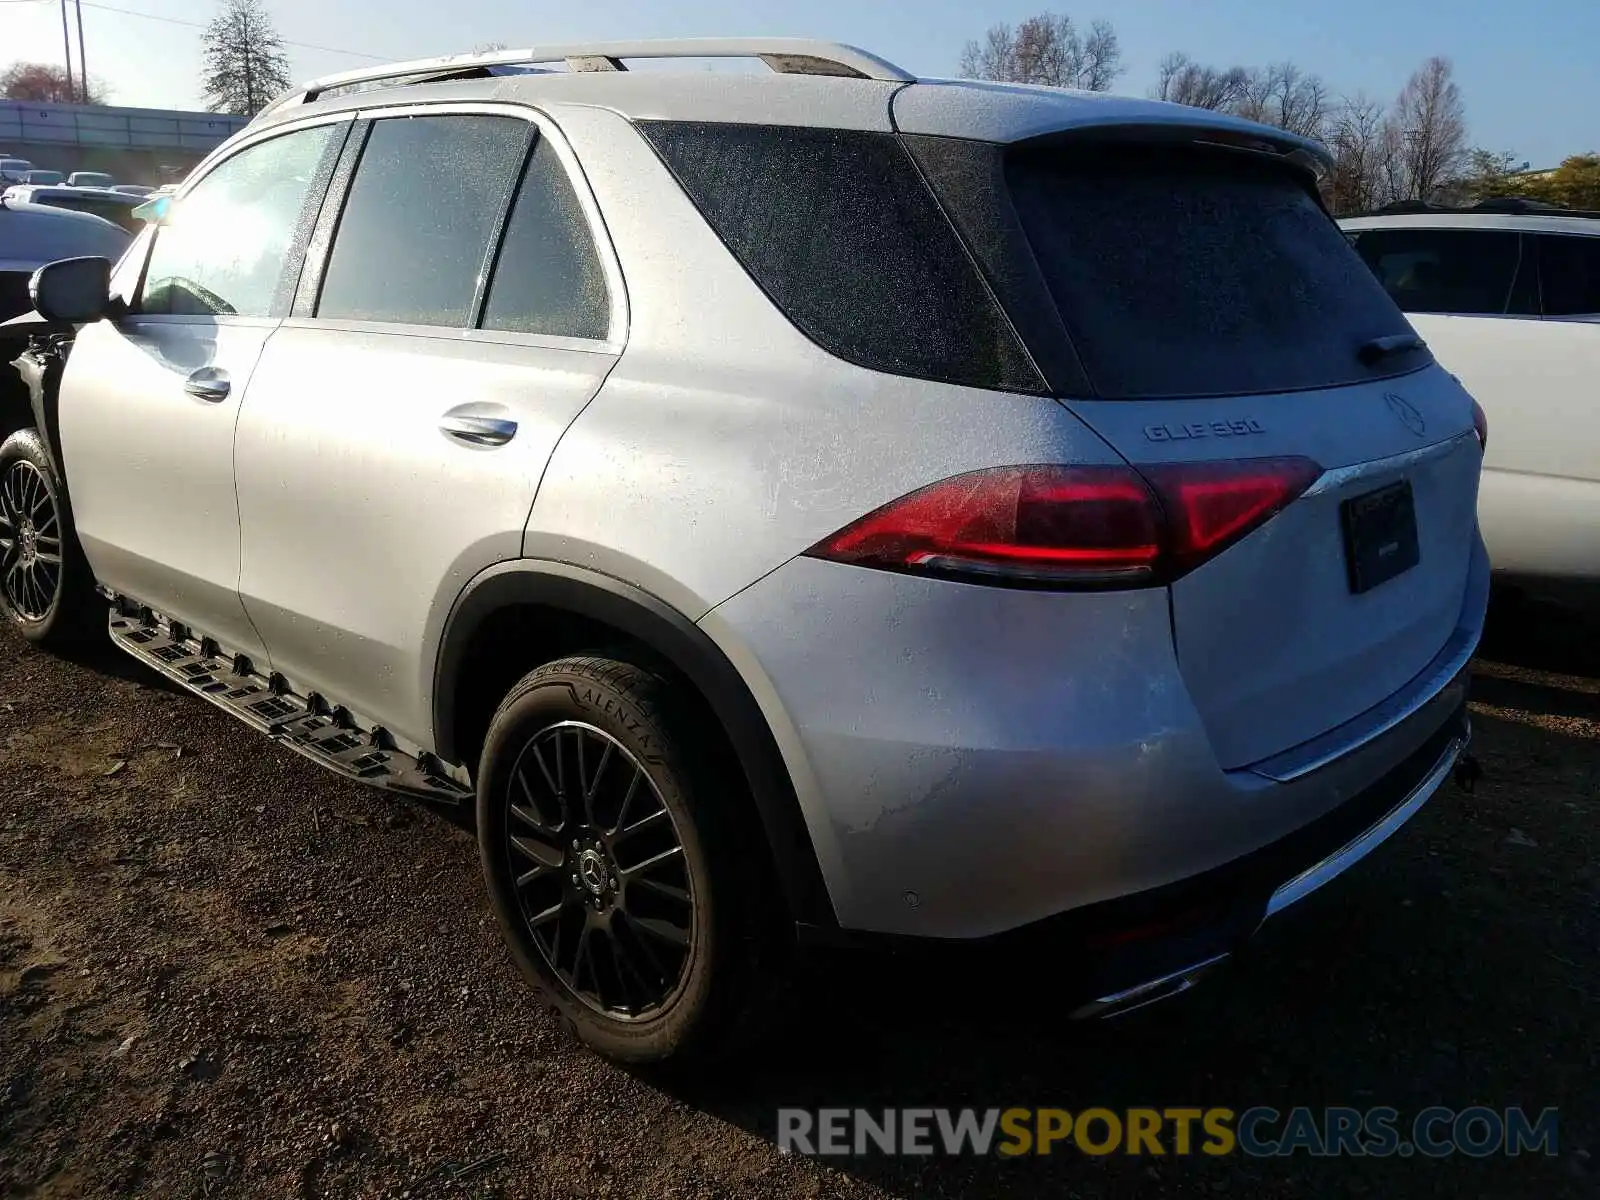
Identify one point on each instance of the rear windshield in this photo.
(111, 210)
(1193, 273)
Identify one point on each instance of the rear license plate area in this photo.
(1380, 535)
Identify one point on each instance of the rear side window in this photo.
(1468, 272)
(547, 278)
(838, 228)
(1194, 273)
(424, 203)
(1569, 274)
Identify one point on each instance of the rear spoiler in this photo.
(1303, 154)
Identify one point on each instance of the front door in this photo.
(149, 401)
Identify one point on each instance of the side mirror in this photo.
(154, 210)
(72, 291)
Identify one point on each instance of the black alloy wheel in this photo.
(598, 866)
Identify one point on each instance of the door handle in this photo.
(208, 384)
(478, 431)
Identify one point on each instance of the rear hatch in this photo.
(1216, 314)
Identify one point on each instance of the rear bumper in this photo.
(1136, 950)
(972, 761)
(1168, 967)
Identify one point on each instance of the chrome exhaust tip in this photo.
(1151, 991)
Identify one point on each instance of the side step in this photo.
(308, 725)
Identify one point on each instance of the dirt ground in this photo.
(224, 973)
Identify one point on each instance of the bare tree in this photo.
(1280, 94)
(245, 65)
(1431, 123)
(1283, 95)
(1184, 81)
(1046, 49)
(45, 83)
(1102, 58)
(1357, 182)
(1393, 183)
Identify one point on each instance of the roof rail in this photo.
(791, 56)
(1523, 204)
(1502, 205)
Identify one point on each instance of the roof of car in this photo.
(1526, 222)
(811, 84)
(34, 234)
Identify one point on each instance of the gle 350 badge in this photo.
(1202, 429)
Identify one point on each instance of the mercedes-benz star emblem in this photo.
(1407, 412)
(593, 871)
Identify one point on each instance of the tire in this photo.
(664, 889)
(46, 588)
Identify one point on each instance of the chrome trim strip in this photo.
(1378, 720)
(1315, 876)
(1149, 992)
(1338, 477)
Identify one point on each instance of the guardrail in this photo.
(100, 126)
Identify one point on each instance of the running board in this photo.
(326, 735)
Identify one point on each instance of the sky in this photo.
(1526, 67)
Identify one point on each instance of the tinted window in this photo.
(109, 210)
(414, 236)
(1182, 273)
(14, 298)
(1465, 271)
(225, 249)
(1569, 274)
(840, 231)
(547, 278)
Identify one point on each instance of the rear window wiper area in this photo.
(1379, 348)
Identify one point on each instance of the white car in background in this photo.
(1507, 295)
(111, 206)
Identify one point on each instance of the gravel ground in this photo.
(226, 973)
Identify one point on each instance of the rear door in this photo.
(399, 423)
(1219, 315)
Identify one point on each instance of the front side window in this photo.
(1569, 275)
(1469, 272)
(417, 224)
(224, 250)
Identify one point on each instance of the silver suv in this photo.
(820, 505)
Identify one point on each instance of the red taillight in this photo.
(1098, 526)
(1211, 505)
(1480, 422)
